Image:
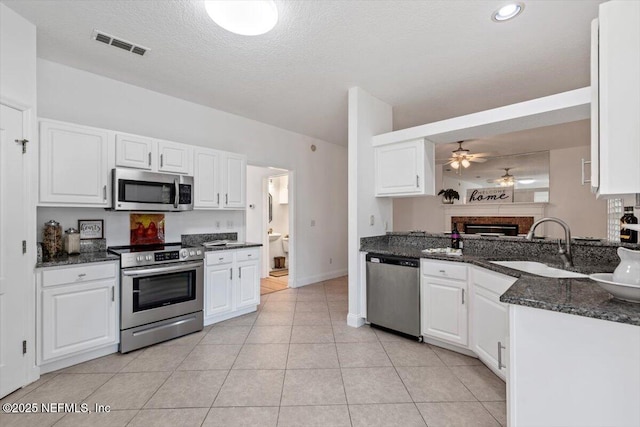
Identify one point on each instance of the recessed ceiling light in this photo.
(507, 12)
(244, 17)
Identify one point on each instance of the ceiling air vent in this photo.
(122, 44)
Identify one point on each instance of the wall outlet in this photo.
(372, 220)
(313, 222)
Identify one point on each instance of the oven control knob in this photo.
(192, 253)
(198, 252)
(149, 257)
(184, 253)
(139, 258)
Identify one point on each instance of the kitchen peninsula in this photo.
(566, 344)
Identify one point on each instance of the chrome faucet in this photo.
(565, 253)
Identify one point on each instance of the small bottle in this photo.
(626, 235)
(455, 237)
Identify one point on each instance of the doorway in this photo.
(270, 222)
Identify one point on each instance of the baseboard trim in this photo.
(226, 316)
(303, 281)
(354, 320)
(74, 360)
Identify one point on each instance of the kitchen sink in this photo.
(539, 269)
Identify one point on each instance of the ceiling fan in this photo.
(462, 157)
(506, 180)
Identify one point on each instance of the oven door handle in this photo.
(161, 270)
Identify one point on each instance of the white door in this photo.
(133, 151)
(235, 181)
(490, 327)
(218, 290)
(206, 179)
(73, 164)
(248, 284)
(174, 157)
(78, 317)
(444, 304)
(14, 278)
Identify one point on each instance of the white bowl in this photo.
(621, 291)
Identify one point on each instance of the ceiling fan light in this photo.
(245, 17)
(465, 163)
(455, 164)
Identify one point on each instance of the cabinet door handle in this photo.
(104, 193)
(463, 296)
(500, 347)
(81, 275)
(418, 181)
(443, 272)
(113, 293)
(239, 273)
(226, 199)
(220, 259)
(149, 158)
(231, 273)
(584, 180)
(218, 200)
(161, 160)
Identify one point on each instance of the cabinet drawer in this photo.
(83, 273)
(247, 255)
(448, 270)
(219, 257)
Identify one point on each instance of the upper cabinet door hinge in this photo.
(24, 144)
(24, 347)
(24, 246)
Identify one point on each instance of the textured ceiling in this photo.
(430, 60)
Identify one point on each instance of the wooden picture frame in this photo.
(91, 229)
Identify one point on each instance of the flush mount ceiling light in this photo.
(508, 11)
(244, 17)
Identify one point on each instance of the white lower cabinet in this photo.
(78, 311)
(490, 319)
(232, 283)
(444, 301)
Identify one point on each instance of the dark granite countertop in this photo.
(232, 246)
(82, 258)
(582, 297)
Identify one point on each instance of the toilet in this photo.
(285, 244)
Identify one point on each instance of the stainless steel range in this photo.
(161, 288)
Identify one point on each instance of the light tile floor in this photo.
(293, 363)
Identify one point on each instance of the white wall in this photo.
(568, 200)
(368, 116)
(571, 201)
(72, 95)
(255, 216)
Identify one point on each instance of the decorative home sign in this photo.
(91, 229)
(490, 195)
(146, 229)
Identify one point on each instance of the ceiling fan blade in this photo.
(477, 159)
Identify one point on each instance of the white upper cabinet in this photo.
(133, 151)
(207, 175)
(220, 179)
(405, 169)
(74, 165)
(615, 119)
(234, 182)
(139, 152)
(174, 157)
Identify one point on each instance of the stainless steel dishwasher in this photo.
(393, 293)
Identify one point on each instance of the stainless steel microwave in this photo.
(135, 190)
